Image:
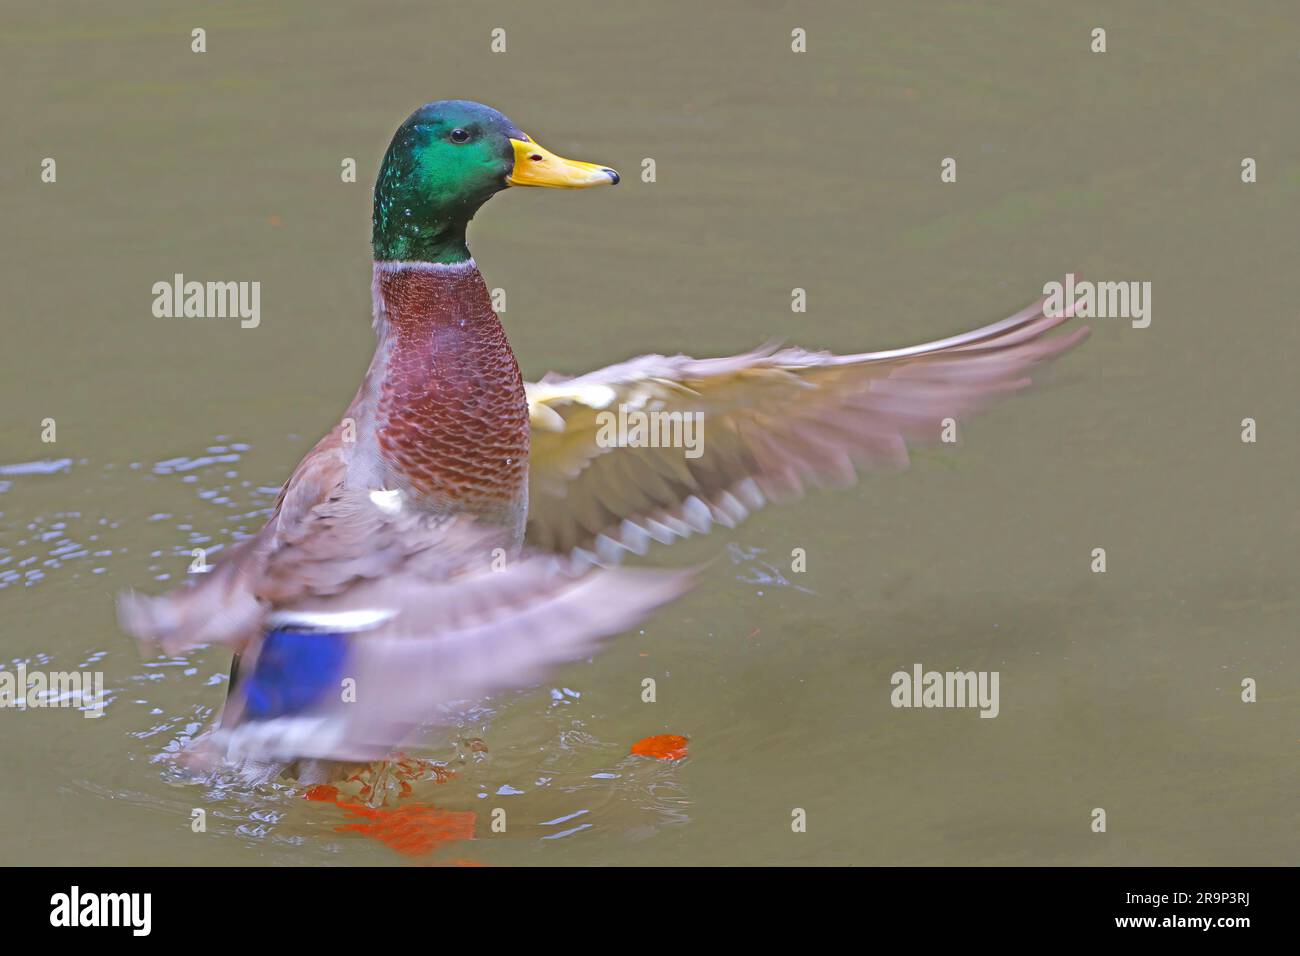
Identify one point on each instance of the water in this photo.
(774, 170)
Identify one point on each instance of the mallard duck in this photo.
(458, 531)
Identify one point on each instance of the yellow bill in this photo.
(535, 166)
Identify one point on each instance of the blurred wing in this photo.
(222, 606)
(775, 422)
(377, 616)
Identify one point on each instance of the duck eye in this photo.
(459, 136)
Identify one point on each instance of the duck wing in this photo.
(365, 618)
(776, 422)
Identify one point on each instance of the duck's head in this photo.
(446, 161)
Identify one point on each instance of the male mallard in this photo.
(413, 549)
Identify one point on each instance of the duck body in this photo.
(439, 428)
(382, 565)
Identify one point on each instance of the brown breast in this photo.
(451, 412)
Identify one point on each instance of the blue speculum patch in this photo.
(295, 669)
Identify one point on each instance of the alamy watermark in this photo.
(635, 428)
(208, 300)
(23, 690)
(922, 688)
(1099, 300)
(75, 908)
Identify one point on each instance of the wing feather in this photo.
(777, 423)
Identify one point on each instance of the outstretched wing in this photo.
(376, 615)
(775, 422)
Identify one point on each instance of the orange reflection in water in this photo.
(661, 747)
(412, 829)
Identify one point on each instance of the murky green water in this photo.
(775, 170)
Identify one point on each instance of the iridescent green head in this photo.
(446, 161)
